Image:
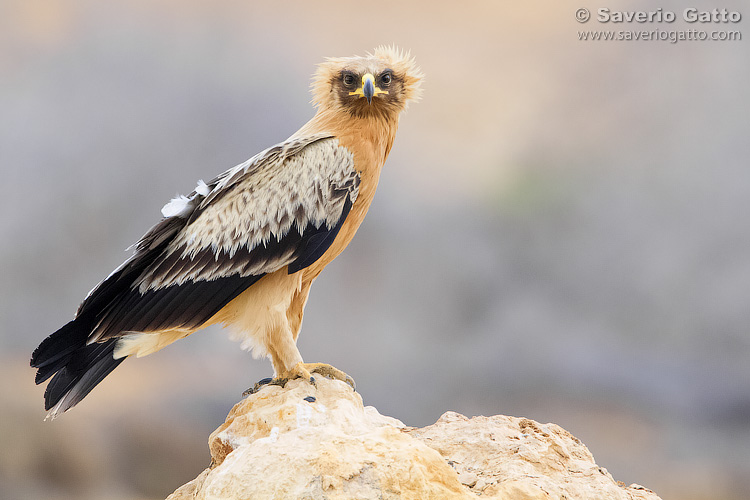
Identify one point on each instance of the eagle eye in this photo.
(385, 78)
(348, 79)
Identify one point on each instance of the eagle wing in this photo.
(283, 207)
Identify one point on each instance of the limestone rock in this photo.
(305, 442)
(516, 458)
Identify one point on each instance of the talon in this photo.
(259, 385)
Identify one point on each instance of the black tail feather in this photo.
(83, 371)
(55, 351)
(77, 367)
(45, 372)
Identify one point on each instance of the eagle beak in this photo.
(368, 89)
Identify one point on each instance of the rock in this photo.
(518, 458)
(305, 442)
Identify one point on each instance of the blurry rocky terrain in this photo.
(559, 232)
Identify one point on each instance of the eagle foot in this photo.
(304, 371)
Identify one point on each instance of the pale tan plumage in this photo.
(243, 249)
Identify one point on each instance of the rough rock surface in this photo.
(305, 442)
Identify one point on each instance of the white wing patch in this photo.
(202, 188)
(181, 206)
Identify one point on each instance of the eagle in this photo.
(243, 249)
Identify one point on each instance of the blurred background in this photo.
(559, 232)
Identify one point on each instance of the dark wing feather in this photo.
(316, 242)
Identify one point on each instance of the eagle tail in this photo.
(76, 366)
